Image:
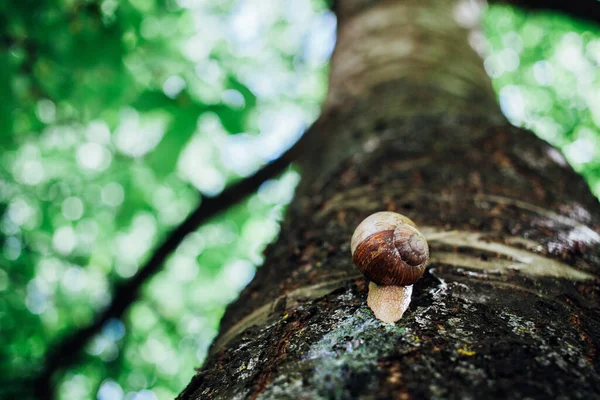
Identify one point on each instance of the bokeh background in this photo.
(118, 117)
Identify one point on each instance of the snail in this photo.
(390, 252)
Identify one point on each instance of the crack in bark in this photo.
(526, 262)
(263, 379)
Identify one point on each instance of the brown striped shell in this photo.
(389, 250)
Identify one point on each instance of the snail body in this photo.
(390, 251)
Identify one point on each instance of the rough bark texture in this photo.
(508, 306)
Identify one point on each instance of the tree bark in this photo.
(508, 306)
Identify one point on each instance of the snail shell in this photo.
(389, 250)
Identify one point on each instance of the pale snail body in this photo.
(389, 303)
(389, 250)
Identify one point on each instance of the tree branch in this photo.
(588, 10)
(65, 353)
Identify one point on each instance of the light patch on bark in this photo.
(579, 232)
(525, 261)
(557, 157)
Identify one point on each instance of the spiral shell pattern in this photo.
(389, 250)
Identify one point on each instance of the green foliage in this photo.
(545, 70)
(119, 116)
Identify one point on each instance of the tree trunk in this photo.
(508, 306)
